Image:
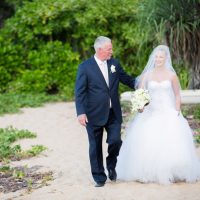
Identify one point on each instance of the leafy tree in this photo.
(42, 41)
(42, 44)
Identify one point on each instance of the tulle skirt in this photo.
(158, 147)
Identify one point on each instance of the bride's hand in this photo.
(141, 110)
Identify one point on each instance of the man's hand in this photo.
(83, 119)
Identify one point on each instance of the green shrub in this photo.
(44, 41)
(197, 112)
(52, 68)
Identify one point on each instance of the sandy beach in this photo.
(57, 128)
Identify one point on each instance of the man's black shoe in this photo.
(112, 174)
(99, 184)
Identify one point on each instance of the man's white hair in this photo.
(100, 42)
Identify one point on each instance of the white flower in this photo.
(139, 98)
(113, 68)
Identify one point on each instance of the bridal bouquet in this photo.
(139, 99)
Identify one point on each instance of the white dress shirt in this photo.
(104, 70)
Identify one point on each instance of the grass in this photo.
(11, 103)
(191, 110)
(197, 138)
(9, 152)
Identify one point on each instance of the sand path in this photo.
(67, 156)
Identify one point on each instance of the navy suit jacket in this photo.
(92, 94)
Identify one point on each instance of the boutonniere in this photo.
(112, 68)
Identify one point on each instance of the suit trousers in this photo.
(95, 136)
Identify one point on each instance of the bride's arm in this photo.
(176, 89)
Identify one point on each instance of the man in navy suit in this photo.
(98, 106)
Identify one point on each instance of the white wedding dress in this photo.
(158, 145)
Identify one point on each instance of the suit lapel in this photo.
(110, 74)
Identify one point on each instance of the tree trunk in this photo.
(194, 82)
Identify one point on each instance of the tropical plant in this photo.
(177, 23)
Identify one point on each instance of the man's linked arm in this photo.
(125, 78)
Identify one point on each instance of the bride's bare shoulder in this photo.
(173, 76)
(170, 73)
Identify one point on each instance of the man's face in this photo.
(106, 51)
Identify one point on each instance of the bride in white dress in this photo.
(159, 146)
